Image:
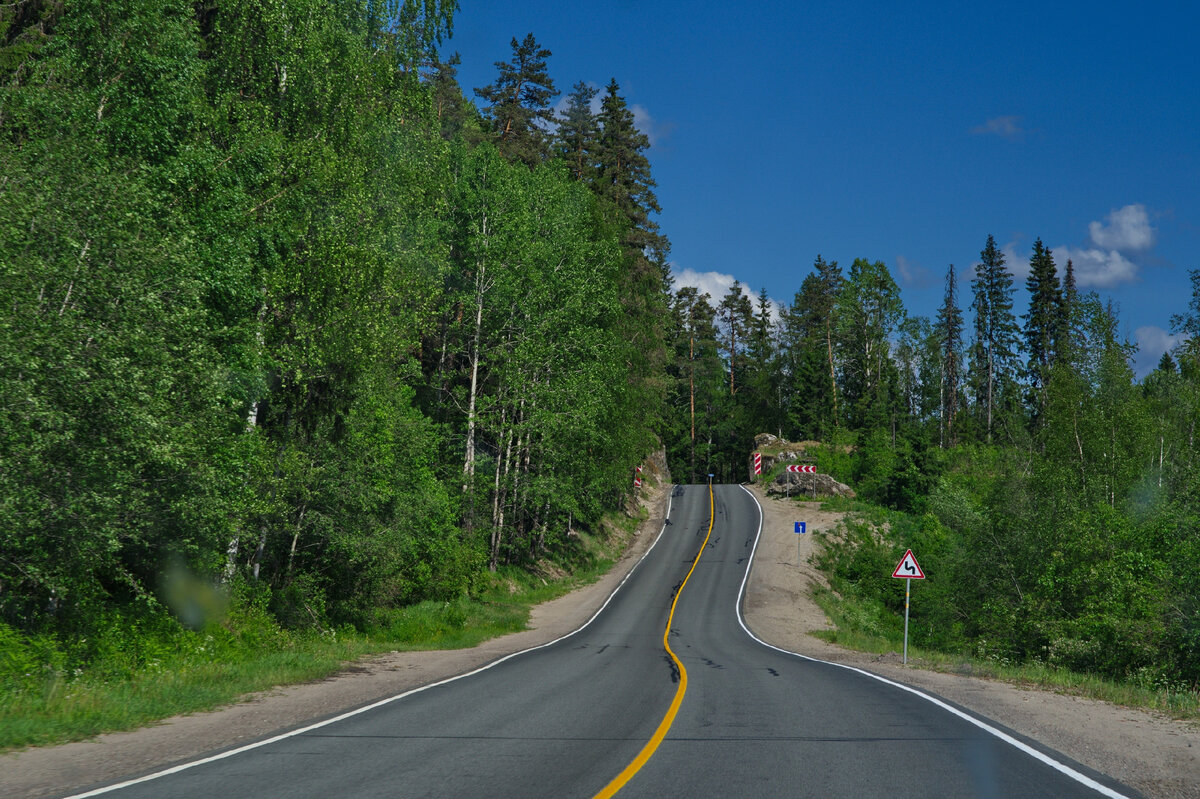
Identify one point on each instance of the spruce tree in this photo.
(578, 133)
(623, 183)
(763, 378)
(808, 336)
(993, 352)
(1166, 363)
(949, 330)
(1043, 325)
(623, 173)
(519, 103)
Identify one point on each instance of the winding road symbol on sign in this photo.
(908, 568)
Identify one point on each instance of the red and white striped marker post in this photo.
(637, 476)
(757, 464)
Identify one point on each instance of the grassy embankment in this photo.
(149, 667)
(864, 623)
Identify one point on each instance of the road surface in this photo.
(608, 710)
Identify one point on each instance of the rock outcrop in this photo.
(774, 450)
(813, 485)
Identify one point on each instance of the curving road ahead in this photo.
(605, 711)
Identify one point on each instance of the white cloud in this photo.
(716, 285)
(1128, 228)
(655, 131)
(1095, 268)
(914, 275)
(1152, 343)
(1006, 127)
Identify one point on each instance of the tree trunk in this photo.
(989, 394)
(231, 551)
(832, 373)
(692, 388)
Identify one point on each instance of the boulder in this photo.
(813, 485)
(764, 440)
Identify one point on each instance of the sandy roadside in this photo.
(1150, 753)
(1159, 757)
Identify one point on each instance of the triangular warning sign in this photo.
(907, 567)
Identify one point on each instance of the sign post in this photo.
(909, 570)
(801, 529)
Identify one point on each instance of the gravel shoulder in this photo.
(1154, 755)
(1150, 753)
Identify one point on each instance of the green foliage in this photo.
(519, 102)
(235, 247)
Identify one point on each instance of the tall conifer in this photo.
(450, 108)
(578, 132)
(623, 173)
(993, 352)
(949, 332)
(1043, 324)
(737, 316)
(519, 102)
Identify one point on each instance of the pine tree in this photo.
(519, 103)
(993, 352)
(949, 332)
(736, 314)
(578, 133)
(700, 373)
(1043, 325)
(450, 108)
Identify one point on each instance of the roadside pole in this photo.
(908, 569)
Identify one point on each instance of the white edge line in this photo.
(386, 700)
(1003, 736)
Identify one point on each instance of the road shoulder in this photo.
(1152, 754)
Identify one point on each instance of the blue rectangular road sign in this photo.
(801, 527)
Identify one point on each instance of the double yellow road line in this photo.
(664, 726)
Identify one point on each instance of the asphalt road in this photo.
(566, 719)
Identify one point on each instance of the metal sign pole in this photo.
(907, 589)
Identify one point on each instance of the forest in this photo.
(285, 306)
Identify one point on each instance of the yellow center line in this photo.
(664, 726)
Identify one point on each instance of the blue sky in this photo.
(899, 132)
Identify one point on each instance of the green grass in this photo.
(857, 627)
(178, 671)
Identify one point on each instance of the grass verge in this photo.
(855, 628)
(152, 674)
